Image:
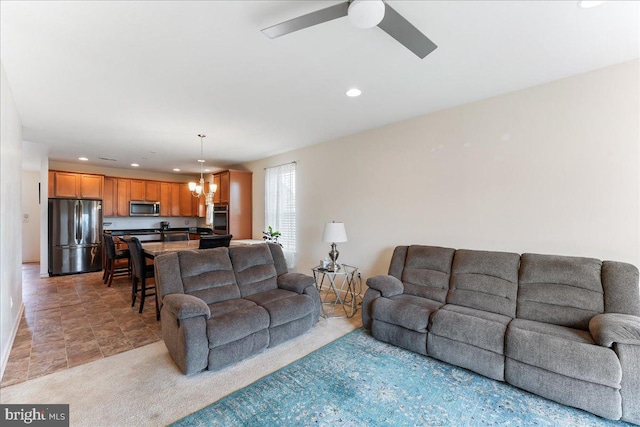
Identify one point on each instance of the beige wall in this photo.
(10, 212)
(31, 223)
(550, 169)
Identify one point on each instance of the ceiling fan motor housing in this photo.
(366, 13)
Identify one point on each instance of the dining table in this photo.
(153, 249)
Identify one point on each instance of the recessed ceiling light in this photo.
(135, 165)
(588, 4)
(176, 170)
(353, 92)
(207, 170)
(84, 159)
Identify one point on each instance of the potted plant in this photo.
(271, 236)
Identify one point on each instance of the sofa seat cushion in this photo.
(479, 328)
(562, 350)
(233, 320)
(408, 311)
(284, 306)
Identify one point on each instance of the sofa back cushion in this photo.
(561, 290)
(254, 268)
(485, 281)
(398, 259)
(208, 275)
(427, 270)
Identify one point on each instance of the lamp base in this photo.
(334, 254)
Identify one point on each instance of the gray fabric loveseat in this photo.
(219, 306)
(565, 328)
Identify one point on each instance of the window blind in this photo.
(280, 207)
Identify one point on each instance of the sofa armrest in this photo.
(295, 282)
(609, 328)
(388, 286)
(184, 306)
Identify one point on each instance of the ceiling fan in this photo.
(362, 14)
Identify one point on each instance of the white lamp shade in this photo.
(366, 13)
(192, 186)
(334, 232)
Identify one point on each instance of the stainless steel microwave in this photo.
(144, 208)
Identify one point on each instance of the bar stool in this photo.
(115, 266)
(141, 272)
(207, 242)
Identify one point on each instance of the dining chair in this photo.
(215, 241)
(141, 273)
(115, 261)
(175, 236)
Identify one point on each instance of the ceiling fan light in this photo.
(366, 13)
(588, 4)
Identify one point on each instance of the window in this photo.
(280, 206)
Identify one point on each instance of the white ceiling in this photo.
(137, 81)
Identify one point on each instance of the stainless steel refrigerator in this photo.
(75, 236)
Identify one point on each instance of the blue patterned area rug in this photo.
(360, 381)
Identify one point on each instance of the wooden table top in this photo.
(153, 249)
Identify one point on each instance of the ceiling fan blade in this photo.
(403, 31)
(304, 21)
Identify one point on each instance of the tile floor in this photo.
(71, 320)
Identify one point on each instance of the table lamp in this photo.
(334, 232)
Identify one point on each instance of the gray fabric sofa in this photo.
(565, 328)
(219, 306)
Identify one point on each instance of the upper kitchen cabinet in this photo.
(142, 190)
(110, 197)
(186, 201)
(123, 196)
(235, 190)
(152, 191)
(72, 185)
(117, 194)
(165, 199)
(136, 189)
(91, 186)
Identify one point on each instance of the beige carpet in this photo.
(144, 387)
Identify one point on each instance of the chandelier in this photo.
(197, 188)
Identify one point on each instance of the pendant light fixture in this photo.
(197, 188)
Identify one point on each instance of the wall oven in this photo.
(221, 219)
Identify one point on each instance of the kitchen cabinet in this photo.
(72, 185)
(136, 190)
(224, 187)
(145, 191)
(65, 184)
(186, 201)
(123, 196)
(116, 193)
(175, 198)
(216, 181)
(51, 191)
(165, 199)
(110, 197)
(91, 186)
(152, 191)
(201, 207)
(235, 190)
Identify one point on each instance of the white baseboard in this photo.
(7, 351)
